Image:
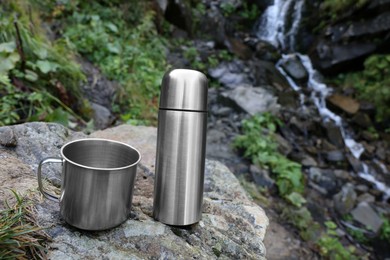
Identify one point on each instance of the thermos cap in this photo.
(184, 89)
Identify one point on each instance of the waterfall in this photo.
(274, 28)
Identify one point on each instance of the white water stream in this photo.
(272, 28)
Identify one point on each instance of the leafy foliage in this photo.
(260, 146)
(330, 245)
(33, 70)
(337, 7)
(372, 84)
(385, 229)
(126, 47)
(20, 237)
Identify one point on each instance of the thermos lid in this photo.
(184, 89)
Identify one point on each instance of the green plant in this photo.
(358, 235)
(126, 47)
(34, 71)
(260, 146)
(331, 247)
(20, 236)
(254, 191)
(227, 8)
(372, 83)
(384, 233)
(337, 7)
(250, 11)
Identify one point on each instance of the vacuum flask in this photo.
(181, 145)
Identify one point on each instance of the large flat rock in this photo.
(232, 225)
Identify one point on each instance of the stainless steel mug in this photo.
(97, 182)
(181, 144)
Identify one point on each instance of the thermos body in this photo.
(181, 148)
(180, 166)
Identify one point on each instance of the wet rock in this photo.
(345, 200)
(357, 165)
(253, 100)
(362, 119)
(346, 104)
(261, 177)
(102, 117)
(266, 51)
(231, 224)
(334, 135)
(265, 73)
(367, 216)
(335, 156)
(294, 68)
(7, 137)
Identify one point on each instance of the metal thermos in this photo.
(181, 145)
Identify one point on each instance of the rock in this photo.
(222, 111)
(37, 141)
(7, 137)
(335, 58)
(102, 117)
(346, 104)
(232, 225)
(178, 12)
(366, 197)
(345, 200)
(266, 51)
(357, 165)
(230, 74)
(261, 176)
(98, 89)
(308, 161)
(14, 173)
(343, 175)
(238, 48)
(325, 179)
(253, 100)
(284, 146)
(365, 214)
(362, 119)
(335, 156)
(294, 68)
(334, 135)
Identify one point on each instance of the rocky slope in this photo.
(233, 226)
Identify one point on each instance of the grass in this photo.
(20, 235)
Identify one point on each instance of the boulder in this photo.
(366, 215)
(253, 100)
(294, 68)
(344, 103)
(232, 225)
(345, 200)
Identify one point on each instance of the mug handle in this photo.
(40, 185)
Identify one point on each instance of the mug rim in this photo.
(99, 168)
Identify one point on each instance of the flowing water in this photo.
(278, 26)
